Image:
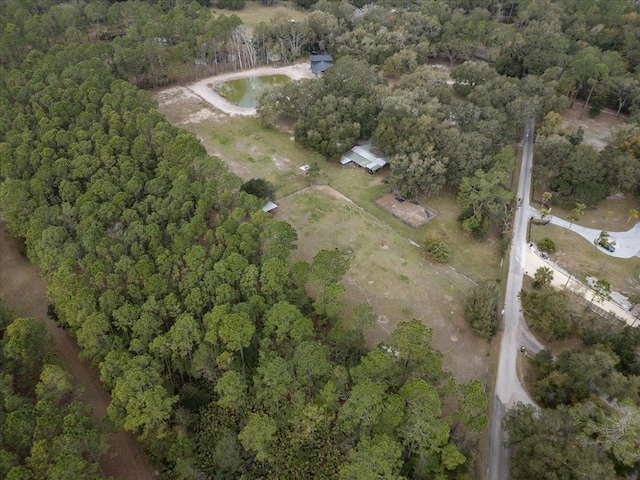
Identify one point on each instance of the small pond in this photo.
(244, 92)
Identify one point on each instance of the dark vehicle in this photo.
(607, 246)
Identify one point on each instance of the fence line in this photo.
(593, 307)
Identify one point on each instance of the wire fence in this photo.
(593, 307)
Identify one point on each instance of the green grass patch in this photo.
(583, 259)
(386, 270)
(255, 12)
(479, 260)
(254, 151)
(611, 215)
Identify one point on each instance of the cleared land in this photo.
(247, 147)
(582, 259)
(389, 272)
(255, 12)
(387, 269)
(411, 212)
(597, 130)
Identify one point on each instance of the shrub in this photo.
(547, 245)
(259, 188)
(481, 309)
(439, 250)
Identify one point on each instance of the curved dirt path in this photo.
(203, 88)
(24, 292)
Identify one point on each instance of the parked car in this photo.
(607, 246)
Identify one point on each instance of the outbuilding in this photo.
(269, 207)
(363, 156)
(320, 63)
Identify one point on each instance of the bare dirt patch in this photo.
(24, 292)
(280, 162)
(200, 115)
(412, 213)
(181, 106)
(597, 130)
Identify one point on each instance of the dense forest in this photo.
(46, 431)
(181, 290)
(589, 426)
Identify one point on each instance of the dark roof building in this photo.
(320, 63)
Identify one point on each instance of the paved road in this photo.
(508, 389)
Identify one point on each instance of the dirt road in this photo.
(204, 90)
(24, 292)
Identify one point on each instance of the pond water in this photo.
(244, 91)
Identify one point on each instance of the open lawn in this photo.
(388, 272)
(479, 260)
(583, 259)
(611, 215)
(250, 149)
(255, 12)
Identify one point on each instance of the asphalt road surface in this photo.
(508, 390)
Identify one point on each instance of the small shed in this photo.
(269, 207)
(365, 158)
(320, 63)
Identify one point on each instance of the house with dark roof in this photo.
(320, 63)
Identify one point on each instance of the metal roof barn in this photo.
(362, 156)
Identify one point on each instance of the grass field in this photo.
(255, 12)
(388, 272)
(611, 215)
(249, 149)
(583, 259)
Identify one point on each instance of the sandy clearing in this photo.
(204, 90)
(598, 129)
(24, 292)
